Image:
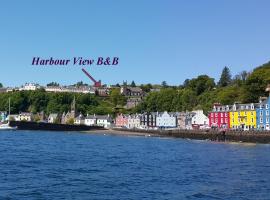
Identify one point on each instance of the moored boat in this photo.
(7, 127)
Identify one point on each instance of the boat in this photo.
(7, 127)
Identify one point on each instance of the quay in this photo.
(228, 136)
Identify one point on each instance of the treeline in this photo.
(39, 100)
(203, 91)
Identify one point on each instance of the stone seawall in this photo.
(231, 136)
(21, 125)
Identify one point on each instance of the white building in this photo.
(24, 116)
(53, 118)
(79, 120)
(105, 120)
(166, 120)
(133, 121)
(73, 89)
(90, 120)
(199, 119)
(30, 86)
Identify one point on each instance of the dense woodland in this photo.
(197, 93)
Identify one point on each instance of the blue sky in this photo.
(155, 40)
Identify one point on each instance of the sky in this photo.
(155, 40)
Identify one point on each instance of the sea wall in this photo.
(21, 125)
(233, 136)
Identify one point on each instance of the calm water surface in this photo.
(53, 165)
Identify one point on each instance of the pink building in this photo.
(121, 120)
(219, 117)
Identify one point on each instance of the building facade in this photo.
(243, 117)
(166, 120)
(133, 121)
(148, 120)
(121, 120)
(263, 114)
(90, 120)
(105, 120)
(199, 119)
(219, 117)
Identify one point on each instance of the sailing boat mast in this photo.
(9, 106)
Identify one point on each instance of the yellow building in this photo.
(243, 116)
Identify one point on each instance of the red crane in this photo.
(96, 83)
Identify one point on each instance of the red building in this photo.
(219, 117)
(121, 120)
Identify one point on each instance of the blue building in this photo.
(263, 114)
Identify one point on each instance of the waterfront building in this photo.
(121, 120)
(166, 120)
(79, 120)
(148, 120)
(25, 116)
(53, 118)
(243, 116)
(263, 114)
(90, 120)
(188, 120)
(219, 117)
(199, 119)
(184, 120)
(105, 120)
(133, 121)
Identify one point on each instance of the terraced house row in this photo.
(238, 116)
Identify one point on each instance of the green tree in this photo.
(256, 83)
(133, 84)
(225, 78)
(1, 85)
(116, 98)
(70, 121)
(201, 84)
(164, 84)
(53, 84)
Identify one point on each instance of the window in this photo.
(226, 115)
(267, 119)
(266, 106)
(252, 120)
(221, 121)
(226, 121)
(216, 114)
(267, 112)
(221, 114)
(261, 113)
(245, 113)
(261, 120)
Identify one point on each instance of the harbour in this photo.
(48, 165)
